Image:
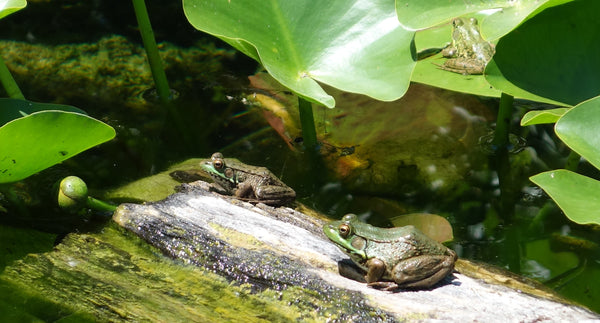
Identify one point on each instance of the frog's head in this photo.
(216, 168)
(342, 233)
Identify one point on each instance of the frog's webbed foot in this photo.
(385, 286)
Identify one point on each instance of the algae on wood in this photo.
(234, 260)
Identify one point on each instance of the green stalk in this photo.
(503, 122)
(7, 80)
(99, 205)
(309, 133)
(158, 73)
(500, 161)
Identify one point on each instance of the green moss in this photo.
(116, 276)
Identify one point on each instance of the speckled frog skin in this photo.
(246, 182)
(393, 258)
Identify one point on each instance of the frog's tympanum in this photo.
(401, 257)
(469, 53)
(250, 183)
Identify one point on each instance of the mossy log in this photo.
(230, 260)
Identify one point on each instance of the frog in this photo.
(246, 182)
(392, 258)
(469, 53)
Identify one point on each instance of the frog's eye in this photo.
(457, 22)
(344, 230)
(218, 164)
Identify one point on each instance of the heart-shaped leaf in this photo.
(354, 45)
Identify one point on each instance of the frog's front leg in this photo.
(245, 190)
(376, 269)
(423, 271)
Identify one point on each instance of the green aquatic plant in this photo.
(304, 43)
(72, 195)
(577, 195)
(35, 136)
(8, 82)
(156, 65)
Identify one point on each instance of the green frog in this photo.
(250, 183)
(469, 53)
(401, 257)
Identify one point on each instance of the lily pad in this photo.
(42, 139)
(575, 194)
(542, 116)
(527, 63)
(9, 6)
(578, 128)
(356, 46)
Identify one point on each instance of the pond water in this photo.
(420, 154)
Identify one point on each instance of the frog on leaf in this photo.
(469, 53)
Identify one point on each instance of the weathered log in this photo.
(284, 250)
(237, 262)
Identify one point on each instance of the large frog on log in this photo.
(401, 257)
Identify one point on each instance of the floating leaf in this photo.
(575, 194)
(42, 139)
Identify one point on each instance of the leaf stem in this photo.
(309, 133)
(500, 140)
(7, 80)
(100, 205)
(156, 66)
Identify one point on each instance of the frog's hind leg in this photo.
(422, 271)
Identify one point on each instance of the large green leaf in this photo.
(579, 128)
(502, 15)
(11, 109)
(42, 139)
(575, 194)
(9, 6)
(552, 56)
(354, 45)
